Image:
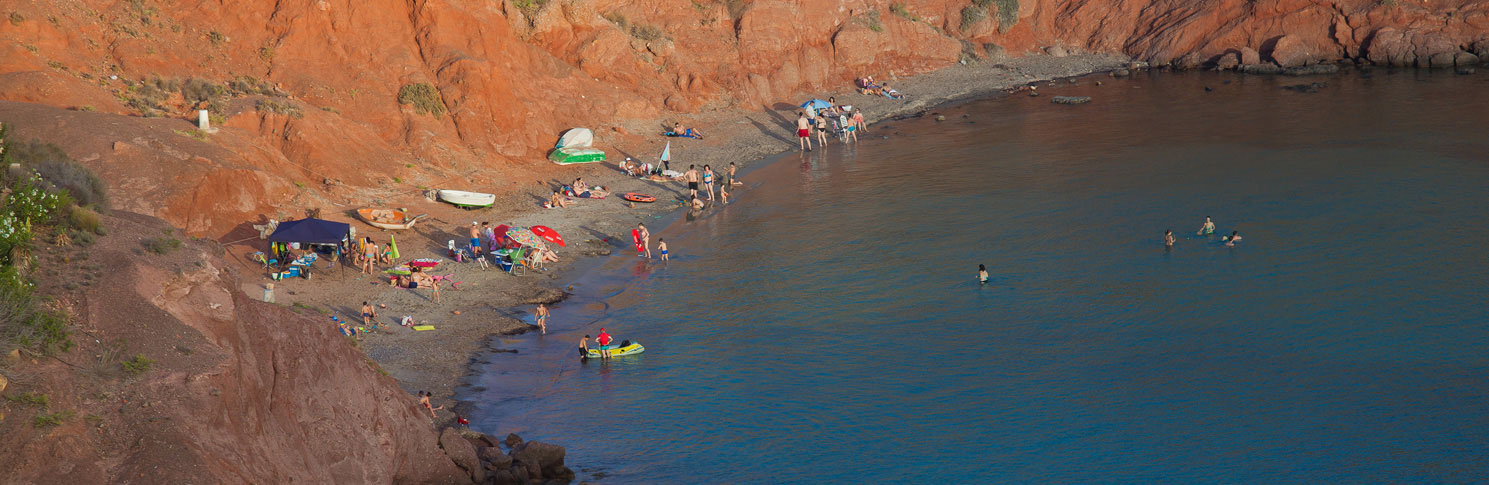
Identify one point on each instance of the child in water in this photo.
(982, 274)
(662, 245)
(1168, 238)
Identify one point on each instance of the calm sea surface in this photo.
(827, 326)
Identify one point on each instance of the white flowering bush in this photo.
(28, 204)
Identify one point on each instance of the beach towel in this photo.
(422, 328)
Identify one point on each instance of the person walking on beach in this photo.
(1230, 241)
(804, 131)
(604, 340)
(542, 316)
(645, 239)
(708, 180)
(982, 274)
(1168, 238)
(368, 313)
(1207, 228)
(662, 248)
(692, 177)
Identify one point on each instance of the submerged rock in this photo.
(1315, 69)
(1071, 99)
(1260, 69)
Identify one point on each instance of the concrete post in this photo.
(202, 122)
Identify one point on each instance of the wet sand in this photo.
(492, 303)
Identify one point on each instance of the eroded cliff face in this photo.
(512, 75)
(235, 391)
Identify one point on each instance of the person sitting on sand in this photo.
(866, 85)
(545, 255)
(678, 130)
(387, 254)
(697, 203)
(556, 200)
(368, 313)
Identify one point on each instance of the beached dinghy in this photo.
(467, 199)
(575, 147)
(388, 218)
(626, 347)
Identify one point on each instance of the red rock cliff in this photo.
(511, 75)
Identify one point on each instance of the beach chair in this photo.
(533, 260)
(261, 258)
(516, 258)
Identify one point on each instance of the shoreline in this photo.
(493, 305)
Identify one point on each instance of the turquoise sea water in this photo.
(827, 326)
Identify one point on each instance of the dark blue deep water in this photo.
(827, 326)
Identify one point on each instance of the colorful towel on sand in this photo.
(401, 271)
(424, 263)
(422, 328)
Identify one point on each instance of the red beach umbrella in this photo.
(548, 234)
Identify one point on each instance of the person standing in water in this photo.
(1168, 238)
(804, 131)
(604, 340)
(708, 181)
(1230, 241)
(662, 247)
(645, 239)
(982, 274)
(1207, 228)
(542, 317)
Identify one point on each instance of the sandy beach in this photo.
(493, 305)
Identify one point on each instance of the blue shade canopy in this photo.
(310, 231)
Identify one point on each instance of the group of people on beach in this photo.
(843, 120)
(603, 340)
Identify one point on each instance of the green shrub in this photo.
(647, 32)
(86, 220)
(216, 38)
(161, 245)
(23, 322)
(61, 172)
(33, 399)
(971, 15)
(1008, 14)
(196, 91)
(424, 97)
(870, 20)
(283, 107)
(16, 18)
(900, 9)
(248, 85)
(136, 366)
(530, 8)
(53, 419)
(619, 20)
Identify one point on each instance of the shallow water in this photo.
(827, 326)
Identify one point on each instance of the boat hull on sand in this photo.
(392, 219)
(467, 199)
(625, 348)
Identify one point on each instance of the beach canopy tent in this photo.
(575, 146)
(311, 231)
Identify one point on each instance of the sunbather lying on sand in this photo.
(678, 130)
(890, 93)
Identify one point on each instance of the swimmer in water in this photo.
(1230, 241)
(1208, 228)
(1168, 238)
(982, 274)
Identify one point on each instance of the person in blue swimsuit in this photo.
(662, 246)
(708, 181)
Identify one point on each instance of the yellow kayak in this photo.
(625, 348)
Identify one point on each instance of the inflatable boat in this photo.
(625, 348)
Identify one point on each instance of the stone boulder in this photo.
(1260, 69)
(495, 458)
(1229, 61)
(462, 452)
(1441, 59)
(1292, 51)
(1481, 48)
(1465, 59)
(540, 459)
(1056, 51)
(1390, 47)
(1314, 70)
(1250, 56)
(513, 441)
